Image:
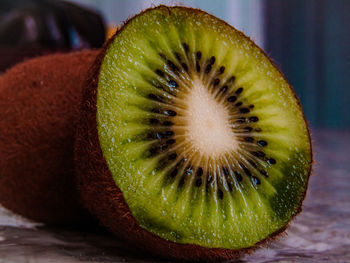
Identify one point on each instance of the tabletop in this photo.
(321, 233)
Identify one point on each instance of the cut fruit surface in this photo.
(200, 131)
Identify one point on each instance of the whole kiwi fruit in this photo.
(191, 144)
(39, 109)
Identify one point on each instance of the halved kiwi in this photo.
(39, 109)
(192, 144)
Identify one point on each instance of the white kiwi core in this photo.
(208, 126)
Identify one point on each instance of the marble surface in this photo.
(321, 233)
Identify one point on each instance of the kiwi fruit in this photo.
(39, 108)
(191, 144)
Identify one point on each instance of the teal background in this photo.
(309, 41)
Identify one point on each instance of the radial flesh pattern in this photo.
(201, 133)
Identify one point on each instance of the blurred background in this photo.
(308, 40)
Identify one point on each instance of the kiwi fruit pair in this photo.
(191, 143)
(39, 109)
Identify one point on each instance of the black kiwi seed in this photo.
(155, 110)
(253, 119)
(184, 66)
(182, 181)
(249, 139)
(186, 47)
(232, 99)
(199, 171)
(238, 176)
(264, 173)
(198, 55)
(240, 120)
(208, 69)
(229, 186)
(212, 60)
(168, 134)
(244, 110)
(153, 121)
(178, 56)
(161, 164)
(154, 97)
(153, 150)
(232, 79)
(258, 130)
(162, 56)
(255, 180)
(221, 70)
(167, 123)
(164, 135)
(239, 90)
(159, 136)
(171, 141)
(252, 163)
(216, 82)
(246, 170)
(198, 182)
(258, 154)
(220, 194)
(173, 84)
(173, 173)
(198, 68)
(247, 129)
(238, 104)
(172, 66)
(251, 106)
(189, 170)
(225, 170)
(209, 177)
(223, 89)
(262, 143)
(164, 147)
(150, 135)
(172, 156)
(162, 88)
(271, 161)
(170, 113)
(159, 72)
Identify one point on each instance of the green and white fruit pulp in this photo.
(200, 131)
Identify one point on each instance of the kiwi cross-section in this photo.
(193, 133)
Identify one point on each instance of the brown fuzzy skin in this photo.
(39, 109)
(104, 199)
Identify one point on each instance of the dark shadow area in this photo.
(29, 28)
(309, 41)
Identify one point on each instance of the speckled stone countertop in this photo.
(321, 233)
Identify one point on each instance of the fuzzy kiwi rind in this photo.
(102, 197)
(39, 108)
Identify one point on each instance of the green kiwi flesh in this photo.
(200, 131)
